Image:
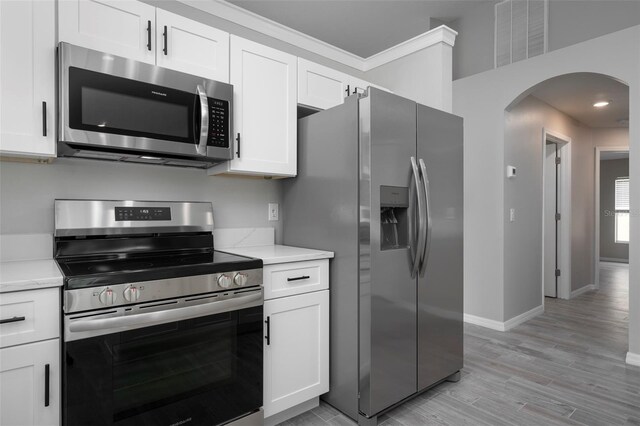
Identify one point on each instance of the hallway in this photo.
(563, 367)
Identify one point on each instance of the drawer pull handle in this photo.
(14, 319)
(303, 277)
(46, 385)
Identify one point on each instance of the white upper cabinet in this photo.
(121, 27)
(323, 87)
(27, 78)
(264, 111)
(320, 86)
(191, 47)
(138, 31)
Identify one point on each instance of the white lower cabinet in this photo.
(30, 384)
(296, 350)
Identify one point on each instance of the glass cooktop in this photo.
(109, 270)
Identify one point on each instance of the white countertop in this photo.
(272, 254)
(21, 275)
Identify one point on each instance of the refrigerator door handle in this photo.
(419, 249)
(429, 222)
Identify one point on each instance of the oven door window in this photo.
(103, 103)
(201, 371)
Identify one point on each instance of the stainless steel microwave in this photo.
(114, 108)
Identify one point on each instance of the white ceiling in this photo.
(575, 94)
(362, 27)
(613, 155)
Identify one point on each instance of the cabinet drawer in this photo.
(287, 279)
(29, 316)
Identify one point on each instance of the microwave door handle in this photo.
(201, 139)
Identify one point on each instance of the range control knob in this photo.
(131, 293)
(224, 281)
(240, 279)
(107, 296)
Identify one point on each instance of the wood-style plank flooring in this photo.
(563, 367)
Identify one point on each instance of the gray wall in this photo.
(524, 124)
(473, 51)
(28, 191)
(610, 170)
(481, 100)
(570, 22)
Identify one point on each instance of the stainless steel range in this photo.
(159, 328)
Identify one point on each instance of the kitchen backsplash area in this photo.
(28, 191)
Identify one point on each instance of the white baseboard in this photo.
(613, 259)
(503, 326)
(633, 359)
(586, 288)
(484, 322)
(524, 317)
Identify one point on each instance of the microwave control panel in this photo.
(218, 123)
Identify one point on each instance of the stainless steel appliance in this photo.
(380, 184)
(159, 328)
(113, 108)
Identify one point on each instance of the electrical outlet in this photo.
(273, 212)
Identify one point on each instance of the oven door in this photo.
(205, 370)
(116, 104)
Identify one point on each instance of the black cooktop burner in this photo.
(109, 270)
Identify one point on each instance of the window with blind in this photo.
(622, 210)
(520, 30)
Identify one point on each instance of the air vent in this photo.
(520, 30)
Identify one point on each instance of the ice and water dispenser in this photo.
(394, 207)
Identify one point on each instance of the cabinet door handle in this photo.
(46, 385)
(303, 277)
(149, 35)
(14, 319)
(268, 336)
(348, 90)
(44, 118)
(238, 145)
(164, 36)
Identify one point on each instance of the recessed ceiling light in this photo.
(601, 104)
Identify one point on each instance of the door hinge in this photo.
(557, 272)
(558, 160)
(558, 216)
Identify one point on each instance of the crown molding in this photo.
(253, 21)
(441, 34)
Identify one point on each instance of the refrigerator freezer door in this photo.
(388, 346)
(440, 331)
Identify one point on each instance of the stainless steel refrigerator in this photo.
(380, 184)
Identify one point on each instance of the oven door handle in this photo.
(160, 317)
(201, 139)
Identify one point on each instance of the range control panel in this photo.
(142, 213)
(218, 123)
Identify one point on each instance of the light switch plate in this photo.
(512, 214)
(273, 212)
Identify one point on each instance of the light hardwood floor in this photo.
(563, 367)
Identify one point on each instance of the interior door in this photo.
(550, 222)
(387, 288)
(440, 300)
